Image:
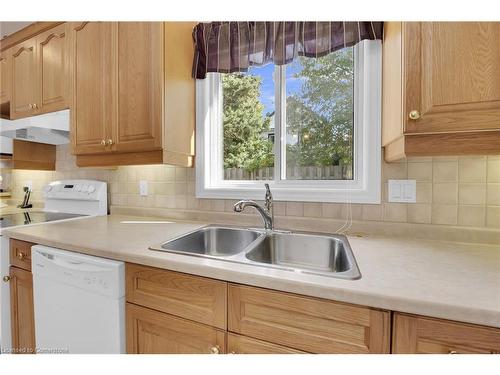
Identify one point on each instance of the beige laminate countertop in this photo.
(446, 280)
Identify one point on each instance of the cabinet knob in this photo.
(35, 106)
(103, 142)
(452, 352)
(109, 142)
(31, 106)
(6, 279)
(215, 349)
(20, 256)
(414, 115)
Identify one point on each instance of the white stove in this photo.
(64, 200)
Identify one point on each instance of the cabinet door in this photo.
(309, 324)
(193, 297)
(237, 344)
(5, 77)
(452, 76)
(414, 334)
(152, 332)
(22, 311)
(53, 69)
(5, 83)
(92, 81)
(24, 79)
(139, 90)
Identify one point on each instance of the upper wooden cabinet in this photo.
(91, 86)
(441, 88)
(39, 74)
(5, 83)
(142, 105)
(140, 77)
(24, 79)
(53, 67)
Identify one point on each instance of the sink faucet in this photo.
(266, 213)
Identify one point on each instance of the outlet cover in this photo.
(143, 188)
(402, 191)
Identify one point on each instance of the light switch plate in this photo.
(402, 191)
(143, 188)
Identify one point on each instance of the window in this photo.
(311, 129)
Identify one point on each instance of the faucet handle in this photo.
(269, 197)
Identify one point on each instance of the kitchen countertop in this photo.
(449, 280)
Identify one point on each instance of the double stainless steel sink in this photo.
(318, 254)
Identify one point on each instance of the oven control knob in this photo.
(91, 189)
(78, 187)
(84, 188)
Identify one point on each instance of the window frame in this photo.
(365, 187)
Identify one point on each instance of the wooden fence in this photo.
(333, 172)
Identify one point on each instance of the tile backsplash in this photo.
(463, 191)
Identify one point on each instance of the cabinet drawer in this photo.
(20, 254)
(237, 344)
(153, 332)
(414, 334)
(192, 297)
(308, 324)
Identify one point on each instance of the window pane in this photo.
(319, 117)
(248, 123)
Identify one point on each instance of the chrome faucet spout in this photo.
(266, 213)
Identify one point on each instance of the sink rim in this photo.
(353, 273)
(204, 255)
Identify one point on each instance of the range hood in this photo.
(51, 128)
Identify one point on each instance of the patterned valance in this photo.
(226, 47)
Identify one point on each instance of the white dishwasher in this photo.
(79, 302)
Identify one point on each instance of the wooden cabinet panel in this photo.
(139, 92)
(53, 69)
(452, 76)
(92, 82)
(180, 107)
(24, 79)
(191, 297)
(5, 77)
(153, 332)
(22, 311)
(20, 254)
(309, 324)
(414, 334)
(237, 344)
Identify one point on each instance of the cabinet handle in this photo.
(414, 115)
(6, 279)
(20, 256)
(215, 349)
(452, 352)
(109, 142)
(103, 142)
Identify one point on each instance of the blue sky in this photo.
(267, 88)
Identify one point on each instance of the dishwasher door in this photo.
(79, 302)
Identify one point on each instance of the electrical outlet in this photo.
(402, 191)
(143, 188)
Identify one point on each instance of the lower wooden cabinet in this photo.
(154, 332)
(22, 311)
(237, 344)
(415, 334)
(305, 323)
